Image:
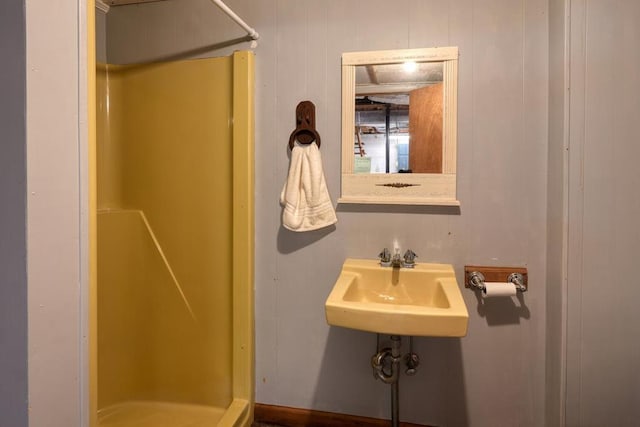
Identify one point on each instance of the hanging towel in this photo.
(305, 198)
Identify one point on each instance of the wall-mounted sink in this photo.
(421, 301)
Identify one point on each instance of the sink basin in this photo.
(422, 301)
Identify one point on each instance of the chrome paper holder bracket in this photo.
(518, 280)
(476, 280)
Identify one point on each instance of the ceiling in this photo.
(123, 2)
(396, 78)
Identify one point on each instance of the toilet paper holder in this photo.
(476, 276)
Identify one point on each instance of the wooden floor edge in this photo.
(296, 417)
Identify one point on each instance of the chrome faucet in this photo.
(409, 259)
(397, 261)
(385, 258)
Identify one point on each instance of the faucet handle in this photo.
(385, 257)
(410, 258)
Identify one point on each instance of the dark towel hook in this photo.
(305, 131)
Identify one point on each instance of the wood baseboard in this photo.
(295, 417)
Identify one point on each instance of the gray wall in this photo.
(495, 375)
(556, 211)
(603, 359)
(13, 253)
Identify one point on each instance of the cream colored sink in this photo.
(423, 301)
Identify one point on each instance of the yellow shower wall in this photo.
(165, 232)
(108, 150)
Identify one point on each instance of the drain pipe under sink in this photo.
(391, 375)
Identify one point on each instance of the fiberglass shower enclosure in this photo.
(175, 243)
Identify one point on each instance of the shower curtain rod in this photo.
(251, 32)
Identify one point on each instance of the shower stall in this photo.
(174, 214)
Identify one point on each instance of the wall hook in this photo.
(305, 131)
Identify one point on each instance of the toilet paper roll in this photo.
(498, 289)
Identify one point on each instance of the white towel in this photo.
(306, 201)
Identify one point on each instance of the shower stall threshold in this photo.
(159, 414)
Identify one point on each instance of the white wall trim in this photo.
(84, 38)
(54, 264)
